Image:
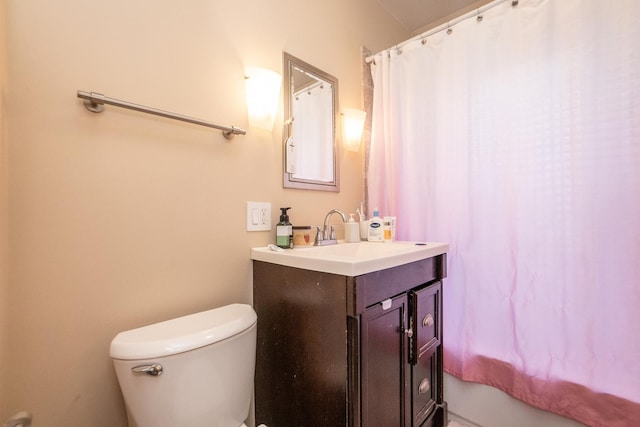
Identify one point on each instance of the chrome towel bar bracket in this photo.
(94, 102)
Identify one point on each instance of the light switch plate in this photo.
(258, 216)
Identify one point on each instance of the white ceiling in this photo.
(416, 15)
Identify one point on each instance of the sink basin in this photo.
(351, 259)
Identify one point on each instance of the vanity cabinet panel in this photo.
(301, 360)
(384, 369)
(337, 350)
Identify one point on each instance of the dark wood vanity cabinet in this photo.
(337, 350)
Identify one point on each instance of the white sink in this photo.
(351, 259)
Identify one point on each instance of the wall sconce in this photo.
(352, 127)
(263, 94)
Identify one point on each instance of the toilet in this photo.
(195, 370)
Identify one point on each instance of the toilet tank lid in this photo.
(183, 333)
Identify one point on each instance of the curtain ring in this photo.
(514, 3)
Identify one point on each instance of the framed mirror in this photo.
(311, 155)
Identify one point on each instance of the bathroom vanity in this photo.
(350, 335)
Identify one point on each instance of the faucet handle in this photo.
(333, 232)
(318, 237)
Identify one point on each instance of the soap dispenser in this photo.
(284, 230)
(351, 231)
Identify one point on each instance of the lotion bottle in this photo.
(387, 231)
(376, 228)
(284, 231)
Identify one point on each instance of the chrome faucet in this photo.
(325, 236)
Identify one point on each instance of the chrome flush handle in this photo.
(153, 370)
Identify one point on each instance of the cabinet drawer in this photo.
(424, 385)
(371, 288)
(425, 319)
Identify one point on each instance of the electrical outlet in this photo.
(258, 216)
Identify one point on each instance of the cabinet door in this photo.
(385, 380)
(424, 386)
(425, 320)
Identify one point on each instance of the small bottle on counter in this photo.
(387, 232)
(284, 231)
(389, 228)
(351, 231)
(376, 228)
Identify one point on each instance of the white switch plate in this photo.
(258, 216)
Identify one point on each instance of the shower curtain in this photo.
(514, 136)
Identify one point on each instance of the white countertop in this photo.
(351, 259)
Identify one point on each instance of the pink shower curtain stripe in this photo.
(562, 397)
(517, 140)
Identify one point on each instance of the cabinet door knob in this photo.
(424, 386)
(427, 321)
(408, 332)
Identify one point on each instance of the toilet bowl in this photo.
(195, 370)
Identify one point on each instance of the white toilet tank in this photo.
(195, 370)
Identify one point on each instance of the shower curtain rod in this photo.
(446, 26)
(94, 102)
(310, 87)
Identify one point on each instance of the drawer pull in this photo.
(427, 321)
(424, 386)
(386, 304)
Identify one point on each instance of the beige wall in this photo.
(123, 219)
(4, 283)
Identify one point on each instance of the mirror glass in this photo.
(310, 142)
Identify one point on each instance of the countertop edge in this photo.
(430, 250)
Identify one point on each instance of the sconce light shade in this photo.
(352, 127)
(263, 94)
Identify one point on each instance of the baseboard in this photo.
(462, 420)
